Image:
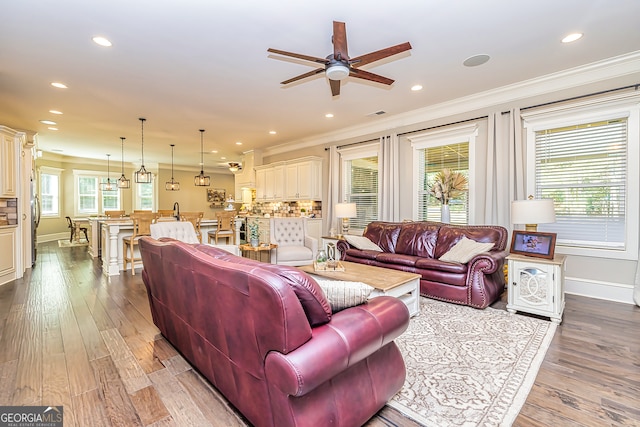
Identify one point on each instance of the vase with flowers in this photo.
(254, 234)
(447, 185)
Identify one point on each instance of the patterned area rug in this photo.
(67, 244)
(469, 367)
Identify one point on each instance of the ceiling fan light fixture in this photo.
(337, 72)
(234, 167)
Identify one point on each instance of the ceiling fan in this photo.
(338, 65)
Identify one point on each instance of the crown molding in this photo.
(610, 68)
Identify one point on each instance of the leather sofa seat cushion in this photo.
(359, 253)
(434, 264)
(313, 301)
(418, 238)
(400, 259)
(383, 234)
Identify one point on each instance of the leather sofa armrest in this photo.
(351, 336)
(343, 246)
(487, 262)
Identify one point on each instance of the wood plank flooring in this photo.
(70, 336)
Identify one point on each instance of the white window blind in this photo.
(431, 160)
(583, 168)
(361, 187)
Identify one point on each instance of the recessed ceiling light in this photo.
(48, 122)
(59, 85)
(272, 132)
(416, 88)
(101, 41)
(223, 158)
(238, 143)
(328, 115)
(55, 112)
(475, 60)
(52, 128)
(214, 151)
(57, 150)
(572, 37)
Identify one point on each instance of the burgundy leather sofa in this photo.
(417, 246)
(265, 337)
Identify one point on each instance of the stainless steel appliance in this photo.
(35, 220)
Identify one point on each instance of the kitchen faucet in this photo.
(176, 210)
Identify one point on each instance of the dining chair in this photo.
(114, 214)
(194, 218)
(75, 229)
(141, 227)
(226, 227)
(162, 213)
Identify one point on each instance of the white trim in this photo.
(618, 292)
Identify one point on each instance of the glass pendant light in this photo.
(123, 182)
(172, 185)
(108, 186)
(141, 175)
(202, 180)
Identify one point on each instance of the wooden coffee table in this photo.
(400, 284)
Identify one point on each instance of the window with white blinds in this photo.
(583, 168)
(432, 160)
(360, 186)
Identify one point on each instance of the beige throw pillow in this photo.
(465, 250)
(343, 294)
(361, 242)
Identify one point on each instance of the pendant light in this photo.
(172, 185)
(123, 182)
(141, 175)
(108, 186)
(202, 180)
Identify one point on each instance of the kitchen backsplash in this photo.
(286, 209)
(9, 207)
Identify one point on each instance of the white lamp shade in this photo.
(337, 72)
(533, 211)
(346, 210)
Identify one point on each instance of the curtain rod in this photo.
(352, 143)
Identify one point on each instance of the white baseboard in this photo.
(52, 237)
(618, 292)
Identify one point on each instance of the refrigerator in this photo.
(35, 219)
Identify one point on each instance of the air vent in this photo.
(376, 113)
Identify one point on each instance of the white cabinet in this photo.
(270, 183)
(536, 285)
(8, 163)
(8, 259)
(303, 180)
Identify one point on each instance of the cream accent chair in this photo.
(295, 247)
(179, 230)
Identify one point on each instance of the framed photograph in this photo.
(216, 196)
(533, 243)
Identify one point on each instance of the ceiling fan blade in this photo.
(339, 40)
(365, 75)
(299, 56)
(379, 54)
(335, 87)
(303, 76)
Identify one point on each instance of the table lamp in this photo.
(346, 211)
(532, 212)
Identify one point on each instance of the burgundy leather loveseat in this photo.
(265, 337)
(417, 246)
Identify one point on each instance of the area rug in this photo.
(469, 367)
(67, 244)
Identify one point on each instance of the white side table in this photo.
(536, 285)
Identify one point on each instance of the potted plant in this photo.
(254, 234)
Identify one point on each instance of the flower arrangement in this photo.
(448, 185)
(253, 230)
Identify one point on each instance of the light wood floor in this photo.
(69, 336)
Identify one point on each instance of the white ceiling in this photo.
(204, 64)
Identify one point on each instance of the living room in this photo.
(482, 119)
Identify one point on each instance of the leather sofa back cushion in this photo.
(313, 301)
(448, 236)
(418, 238)
(383, 234)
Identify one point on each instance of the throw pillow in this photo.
(362, 242)
(465, 250)
(343, 295)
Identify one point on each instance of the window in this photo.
(360, 183)
(90, 199)
(145, 196)
(585, 163)
(50, 191)
(448, 148)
